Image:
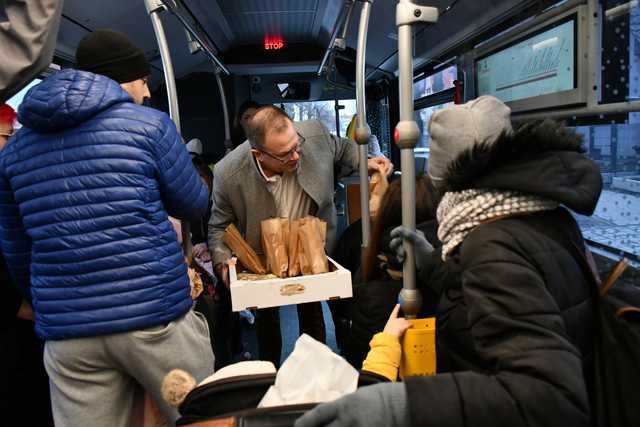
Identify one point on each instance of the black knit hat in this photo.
(111, 54)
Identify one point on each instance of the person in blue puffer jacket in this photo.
(86, 188)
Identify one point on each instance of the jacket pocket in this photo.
(200, 322)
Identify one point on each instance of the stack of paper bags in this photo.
(294, 247)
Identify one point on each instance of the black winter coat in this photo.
(374, 300)
(514, 314)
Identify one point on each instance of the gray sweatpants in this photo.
(93, 379)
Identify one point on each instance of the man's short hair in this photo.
(265, 120)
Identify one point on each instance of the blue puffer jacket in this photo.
(85, 188)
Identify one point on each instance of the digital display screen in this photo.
(542, 64)
(434, 83)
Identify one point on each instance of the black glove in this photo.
(422, 246)
(383, 405)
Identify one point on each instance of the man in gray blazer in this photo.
(285, 169)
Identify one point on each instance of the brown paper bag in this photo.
(303, 259)
(377, 187)
(293, 249)
(243, 251)
(305, 265)
(323, 232)
(286, 225)
(274, 245)
(310, 234)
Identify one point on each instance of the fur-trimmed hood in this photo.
(542, 158)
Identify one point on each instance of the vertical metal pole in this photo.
(154, 7)
(408, 135)
(225, 111)
(410, 296)
(362, 129)
(337, 111)
(347, 20)
(593, 70)
(336, 104)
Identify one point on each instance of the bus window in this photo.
(323, 111)
(425, 103)
(422, 117)
(614, 142)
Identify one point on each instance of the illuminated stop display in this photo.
(273, 42)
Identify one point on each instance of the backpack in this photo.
(616, 367)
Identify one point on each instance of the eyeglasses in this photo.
(286, 157)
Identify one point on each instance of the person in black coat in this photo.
(515, 326)
(379, 281)
(199, 228)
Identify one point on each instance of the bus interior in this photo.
(577, 61)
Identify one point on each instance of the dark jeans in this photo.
(310, 322)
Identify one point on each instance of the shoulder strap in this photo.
(614, 274)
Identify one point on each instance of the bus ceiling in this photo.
(260, 37)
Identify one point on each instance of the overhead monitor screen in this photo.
(542, 64)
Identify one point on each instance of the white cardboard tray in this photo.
(250, 294)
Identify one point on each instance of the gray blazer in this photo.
(28, 40)
(240, 194)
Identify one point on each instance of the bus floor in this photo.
(289, 330)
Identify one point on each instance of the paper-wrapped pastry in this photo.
(274, 244)
(293, 249)
(243, 251)
(312, 234)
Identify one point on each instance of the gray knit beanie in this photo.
(458, 128)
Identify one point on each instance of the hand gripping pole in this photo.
(407, 135)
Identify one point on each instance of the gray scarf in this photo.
(461, 211)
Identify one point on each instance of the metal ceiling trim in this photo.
(176, 7)
(348, 4)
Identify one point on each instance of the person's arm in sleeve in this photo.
(536, 376)
(28, 35)
(14, 240)
(378, 405)
(222, 215)
(385, 354)
(345, 155)
(183, 193)
(344, 151)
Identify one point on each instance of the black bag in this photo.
(616, 368)
(617, 358)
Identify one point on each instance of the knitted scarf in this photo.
(461, 211)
